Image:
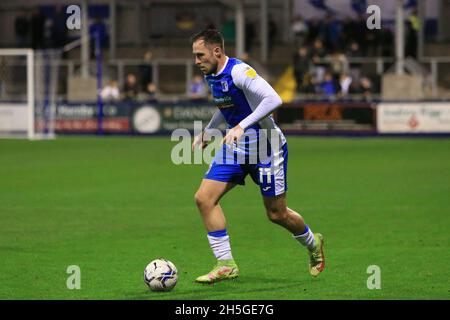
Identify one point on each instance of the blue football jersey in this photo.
(237, 90)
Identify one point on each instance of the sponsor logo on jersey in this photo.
(223, 102)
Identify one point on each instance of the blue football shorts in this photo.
(271, 176)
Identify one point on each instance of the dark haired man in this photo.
(245, 101)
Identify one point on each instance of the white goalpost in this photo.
(28, 88)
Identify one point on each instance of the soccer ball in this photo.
(160, 275)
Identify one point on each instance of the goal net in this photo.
(28, 90)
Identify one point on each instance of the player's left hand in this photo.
(233, 135)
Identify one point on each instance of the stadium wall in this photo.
(314, 117)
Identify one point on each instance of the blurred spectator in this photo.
(198, 88)
(338, 65)
(146, 69)
(37, 29)
(130, 89)
(299, 29)
(150, 91)
(328, 86)
(318, 56)
(324, 63)
(364, 87)
(345, 82)
(111, 91)
(301, 68)
(21, 28)
(318, 51)
(354, 51)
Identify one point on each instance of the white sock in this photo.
(220, 244)
(306, 238)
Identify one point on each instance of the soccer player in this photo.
(245, 102)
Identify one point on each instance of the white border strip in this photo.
(30, 92)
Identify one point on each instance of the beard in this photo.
(212, 69)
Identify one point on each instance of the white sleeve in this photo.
(246, 79)
(215, 121)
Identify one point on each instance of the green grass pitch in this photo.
(110, 205)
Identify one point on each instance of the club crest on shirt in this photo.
(223, 102)
(224, 86)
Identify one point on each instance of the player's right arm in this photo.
(216, 120)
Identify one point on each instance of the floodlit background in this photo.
(90, 92)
